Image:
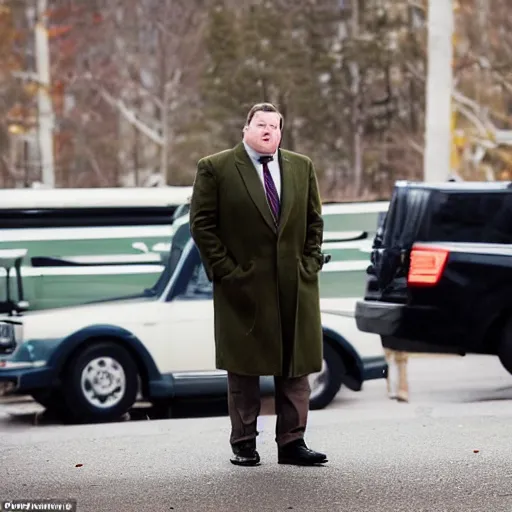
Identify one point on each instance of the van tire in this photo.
(98, 372)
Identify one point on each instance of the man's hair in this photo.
(264, 107)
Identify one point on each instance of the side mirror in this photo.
(12, 259)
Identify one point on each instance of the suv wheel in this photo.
(100, 383)
(327, 382)
(505, 347)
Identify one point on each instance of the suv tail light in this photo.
(427, 265)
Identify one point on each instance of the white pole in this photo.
(438, 136)
(44, 101)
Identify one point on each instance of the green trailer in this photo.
(97, 247)
(83, 245)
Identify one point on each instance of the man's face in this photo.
(263, 133)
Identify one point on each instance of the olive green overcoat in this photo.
(265, 278)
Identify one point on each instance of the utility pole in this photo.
(44, 102)
(438, 130)
(357, 128)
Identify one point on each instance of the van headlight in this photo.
(7, 337)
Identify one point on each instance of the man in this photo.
(255, 215)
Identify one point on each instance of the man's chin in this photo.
(266, 149)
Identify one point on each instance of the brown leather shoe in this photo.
(245, 454)
(298, 454)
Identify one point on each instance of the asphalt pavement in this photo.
(447, 450)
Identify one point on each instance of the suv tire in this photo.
(505, 347)
(326, 384)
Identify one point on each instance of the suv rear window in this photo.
(474, 217)
(426, 215)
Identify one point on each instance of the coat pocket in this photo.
(308, 270)
(239, 295)
(240, 274)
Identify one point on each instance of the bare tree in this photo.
(155, 48)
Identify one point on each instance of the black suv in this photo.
(440, 278)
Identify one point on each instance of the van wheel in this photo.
(327, 382)
(100, 383)
(505, 347)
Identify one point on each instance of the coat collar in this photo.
(256, 190)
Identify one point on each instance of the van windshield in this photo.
(178, 244)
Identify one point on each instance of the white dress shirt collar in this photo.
(254, 155)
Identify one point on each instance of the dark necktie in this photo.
(270, 188)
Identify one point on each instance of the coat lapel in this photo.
(253, 184)
(287, 188)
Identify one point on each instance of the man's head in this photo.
(262, 130)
